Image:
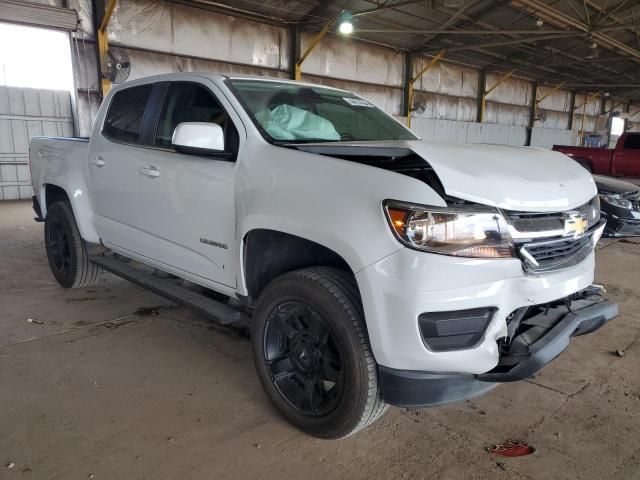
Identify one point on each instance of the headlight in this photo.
(594, 213)
(460, 231)
(618, 201)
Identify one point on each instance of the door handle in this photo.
(150, 171)
(98, 162)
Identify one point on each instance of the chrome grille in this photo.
(553, 255)
(547, 242)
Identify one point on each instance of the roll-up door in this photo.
(38, 15)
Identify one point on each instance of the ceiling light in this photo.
(539, 22)
(345, 23)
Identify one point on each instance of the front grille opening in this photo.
(554, 255)
(537, 223)
(542, 246)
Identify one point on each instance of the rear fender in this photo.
(75, 187)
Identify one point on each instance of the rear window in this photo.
(632, 141)
(124, 119)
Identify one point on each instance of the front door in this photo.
(186, 202)
(113, 167)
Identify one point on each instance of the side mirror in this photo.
(198, 138)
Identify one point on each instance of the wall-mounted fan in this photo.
(540, 116)
(116, 67)
(419, 104)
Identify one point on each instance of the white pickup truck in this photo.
(375, 268)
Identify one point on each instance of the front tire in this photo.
(66, 251)
(312, 353)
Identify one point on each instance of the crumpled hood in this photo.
(513, 178)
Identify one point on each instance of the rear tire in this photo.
(312, 353)
(66, 251)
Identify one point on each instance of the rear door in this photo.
(626, 160)
(113, 168)
(186, 202)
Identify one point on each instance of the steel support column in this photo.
(533, 106)
(572, 107)
(482, 85)
(406, 85)
(294, 49)
(103, 43)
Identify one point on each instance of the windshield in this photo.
(289, 113)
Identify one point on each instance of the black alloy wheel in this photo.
(303, 359)
(312, 353)
(58, 246)
(67, 252)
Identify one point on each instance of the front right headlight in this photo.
(475, 231)
(618, 201)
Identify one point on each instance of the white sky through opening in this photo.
(617, 126)
(35, 58)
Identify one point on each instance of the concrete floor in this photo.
(101, 390)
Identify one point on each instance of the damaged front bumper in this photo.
(538, 334)
(543, 332)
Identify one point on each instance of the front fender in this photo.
(332, 202)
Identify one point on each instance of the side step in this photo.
(221, 313)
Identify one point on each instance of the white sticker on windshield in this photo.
(357, 102)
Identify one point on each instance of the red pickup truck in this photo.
(622, 161)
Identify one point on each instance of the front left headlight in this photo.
(459, 231)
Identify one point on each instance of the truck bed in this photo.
(597, 159)
(61, 161)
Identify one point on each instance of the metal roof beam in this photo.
(453, 20)
(513, 41)
(386, 7)
(478, 32)
(547, 13)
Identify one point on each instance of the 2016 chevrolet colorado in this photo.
(378, 269)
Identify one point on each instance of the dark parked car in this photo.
(620, 205)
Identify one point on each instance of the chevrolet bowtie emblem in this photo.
(575, 225)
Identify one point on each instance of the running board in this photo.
(221, 313)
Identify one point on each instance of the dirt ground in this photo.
(95, 387)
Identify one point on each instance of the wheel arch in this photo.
(52, 194)
(80, 205)
(269, 253)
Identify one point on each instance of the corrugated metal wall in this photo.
(27, 113)
(161, 36)
(439, 130)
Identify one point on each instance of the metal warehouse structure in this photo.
(520, 72)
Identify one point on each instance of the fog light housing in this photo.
(454, 330)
